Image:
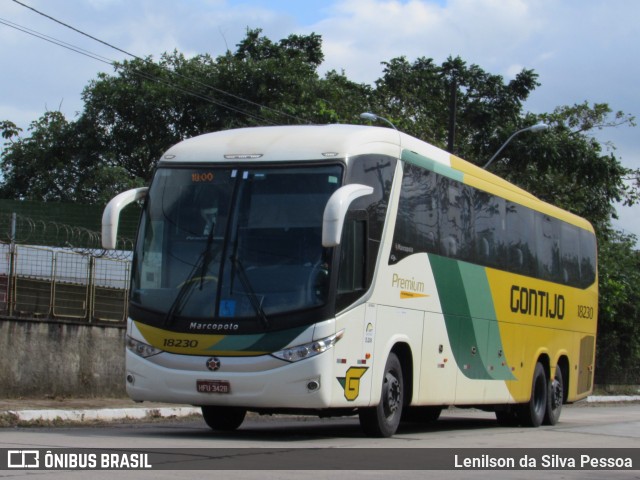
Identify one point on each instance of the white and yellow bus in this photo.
(346, 269)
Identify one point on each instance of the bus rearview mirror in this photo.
(336, 210)
(111, 214)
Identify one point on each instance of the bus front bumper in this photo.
(306, 384)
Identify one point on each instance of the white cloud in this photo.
(513, 70)
(21, 117)
(359, 34)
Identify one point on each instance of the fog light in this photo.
(130, 379)
(313, 385)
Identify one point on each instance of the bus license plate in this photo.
(213, 386)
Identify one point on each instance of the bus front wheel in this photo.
(533, 412)
(383, 420)
(225, 419)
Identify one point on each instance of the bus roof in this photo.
(324, 142)
(283, 144)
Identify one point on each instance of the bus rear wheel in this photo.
(225, 419)
(555, 398)
(383, 420)
(533, 412)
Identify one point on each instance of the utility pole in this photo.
(453, 94)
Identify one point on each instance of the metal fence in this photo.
(67, 277)
(59, 283)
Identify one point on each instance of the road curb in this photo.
(613, 398)
(102, 414)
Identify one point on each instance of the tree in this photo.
(419, 98)
(54, 163)
(618, 347)
(146, 107)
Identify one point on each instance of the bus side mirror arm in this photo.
(336, 210)
(111, 214)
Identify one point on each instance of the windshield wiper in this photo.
(201, 265)
(246, 284)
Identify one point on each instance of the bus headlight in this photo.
(308, 350)
(141, 349)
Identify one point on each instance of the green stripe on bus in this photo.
(263, 342)
(470, 319)
(430, 164)
(484, 320)
(455, 309)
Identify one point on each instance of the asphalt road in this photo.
(263, 439)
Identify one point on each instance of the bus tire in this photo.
(225, 419)
(532, 413)
(554, 398)
(383, 420)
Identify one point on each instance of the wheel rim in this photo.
(393, 396)
(556, 394)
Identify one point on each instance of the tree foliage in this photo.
(131, 116)
(568, 167)
(419, 96)
(618, 347)
(58, 161)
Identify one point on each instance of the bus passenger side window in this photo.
(570, 251)
(455, 215)
(548, 249)
(489, 212)
(416, 228)
(588, 260)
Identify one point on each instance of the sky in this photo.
(582, 50)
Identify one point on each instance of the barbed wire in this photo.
(27, 230)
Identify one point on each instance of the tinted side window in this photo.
(588, 258)
(417, 220)
(443, 216)
(548, 248)
(518, 247)
(570, 254)
(489, 225)
(455, 220)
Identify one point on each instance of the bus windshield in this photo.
(228, 243)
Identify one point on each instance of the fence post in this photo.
(91, 290)
(12, 255)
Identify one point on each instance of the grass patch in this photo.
(8, 419)
(12, 420)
